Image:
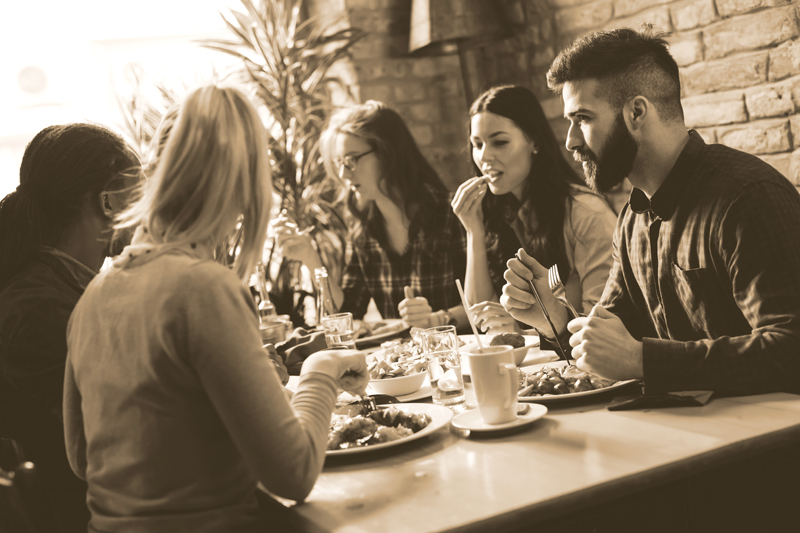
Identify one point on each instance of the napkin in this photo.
(696, 398)
(300, 344)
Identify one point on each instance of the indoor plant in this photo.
(286, 57)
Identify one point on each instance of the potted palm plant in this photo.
(286, 56)
(143, 109)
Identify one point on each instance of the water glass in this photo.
(339, 331)
(272, 331)
(440, 346)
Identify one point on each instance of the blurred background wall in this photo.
(739, 59)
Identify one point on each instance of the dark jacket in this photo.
(35, 307)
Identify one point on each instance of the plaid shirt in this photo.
(435, 257)
(707, 274)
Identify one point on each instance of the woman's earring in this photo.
(535, 150)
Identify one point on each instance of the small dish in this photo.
(471, 420)
(423, 392)
(399, 386)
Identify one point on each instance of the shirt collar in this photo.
(665, 200)
(82, 273)
(144, 249)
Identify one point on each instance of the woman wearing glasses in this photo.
(525, 195)
(406, 247)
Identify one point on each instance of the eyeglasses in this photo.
(350, 162)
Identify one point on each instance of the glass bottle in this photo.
(324, 298)
(265, 307)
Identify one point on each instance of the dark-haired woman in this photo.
(407, 248)
(526, 195)
(54, 236)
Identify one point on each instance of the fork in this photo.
(546, 316)
(554, 280)
(368, 403)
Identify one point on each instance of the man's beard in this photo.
(615, 162)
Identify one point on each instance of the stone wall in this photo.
(739, 60)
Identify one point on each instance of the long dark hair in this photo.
(60, 167)
(407, 177)
(547, 188)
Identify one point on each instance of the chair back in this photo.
(24, 504)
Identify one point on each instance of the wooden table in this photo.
(575, 456)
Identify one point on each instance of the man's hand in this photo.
(602, 345)
(518, 300)
(415, 310)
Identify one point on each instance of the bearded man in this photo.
(704, 291)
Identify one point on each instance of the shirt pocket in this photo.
(695, 292)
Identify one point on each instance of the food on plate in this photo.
(515, 340)
(371, 329)
(395, 359)
(564, 380)
(349, 430)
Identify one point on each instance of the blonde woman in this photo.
(173, 412)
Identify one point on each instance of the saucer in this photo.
(471, 420)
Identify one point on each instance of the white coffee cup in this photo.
(494, 376)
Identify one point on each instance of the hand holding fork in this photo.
(564, 353)
(559, 292)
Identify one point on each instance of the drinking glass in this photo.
(440, 346)
(339, 330)
(272, 331)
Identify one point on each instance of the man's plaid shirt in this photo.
(707, 274)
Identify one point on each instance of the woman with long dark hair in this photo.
(406, 248)
(526, 195)
(55, 233)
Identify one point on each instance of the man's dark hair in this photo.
(628, 63)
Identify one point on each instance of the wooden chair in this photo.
(24, 505)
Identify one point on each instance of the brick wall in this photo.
(426, 91)
(739, 60)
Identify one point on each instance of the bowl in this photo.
(399, 386)
(519, 353)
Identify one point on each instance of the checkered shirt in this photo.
(434, 258)
(707, 274)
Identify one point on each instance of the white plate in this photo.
(531, 341)
(471, 420)
(424, 391)
(553, 398)
(440, 417)
(394, 327)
